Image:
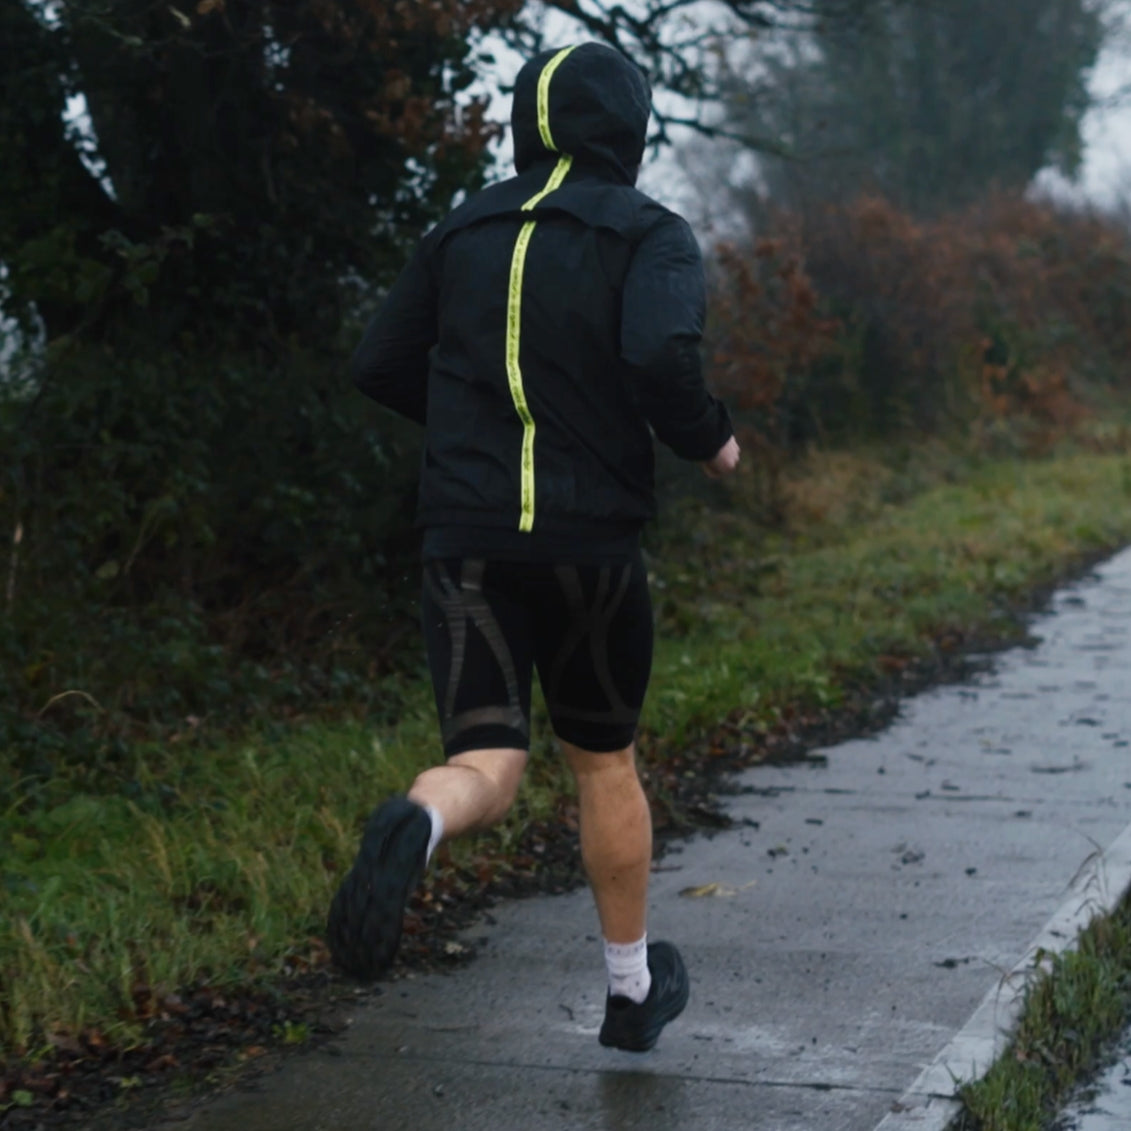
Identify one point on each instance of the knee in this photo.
(605, 767)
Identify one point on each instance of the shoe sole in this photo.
(367, 913)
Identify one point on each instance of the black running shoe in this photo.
(364, 928)
(636, 1028)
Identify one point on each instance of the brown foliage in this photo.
(864, 320)
(770, 328)
(768, 335)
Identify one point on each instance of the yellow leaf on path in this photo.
(701, 891)
(722, 891)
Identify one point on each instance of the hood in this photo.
(589, 101)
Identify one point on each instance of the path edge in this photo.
(1100, 885)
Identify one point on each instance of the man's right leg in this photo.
(593, 643)
(616, 838)
(648, 984)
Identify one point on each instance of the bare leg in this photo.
(616, 838)
(473, 790)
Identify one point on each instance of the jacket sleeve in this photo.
(662, 313)
(391, 363)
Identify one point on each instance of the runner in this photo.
(537, 333)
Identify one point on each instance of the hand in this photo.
(725, 460)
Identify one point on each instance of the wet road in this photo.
(842, 932)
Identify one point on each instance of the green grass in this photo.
(216, 859)
(757, 622)
(205, 862)
(1071, 1013)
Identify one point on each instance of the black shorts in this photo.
(587, 629)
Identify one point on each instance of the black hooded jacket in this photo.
(544, 325)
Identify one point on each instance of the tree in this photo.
(251, 157)
(247, 159)
(193, 472)
(680, 43)
(929, 103)
(199, 493)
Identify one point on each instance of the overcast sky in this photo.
(1106, 174)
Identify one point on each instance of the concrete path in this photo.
(862, 909)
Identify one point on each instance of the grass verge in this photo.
(772, 624)
(1071, 1014)
(211, 861)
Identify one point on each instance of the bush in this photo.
(860, 321)
(196, 535)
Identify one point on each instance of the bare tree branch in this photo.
(679, 43)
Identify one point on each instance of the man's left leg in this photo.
(472, 791)
(476, 632)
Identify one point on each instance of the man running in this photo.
(537, 333)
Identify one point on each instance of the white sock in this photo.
(437, 831)
(629, 975)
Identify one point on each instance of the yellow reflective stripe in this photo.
(544, 97)
(514, 292)
(514, 374)
(514, 332)
(555, 182)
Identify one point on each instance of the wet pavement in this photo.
(837, 937)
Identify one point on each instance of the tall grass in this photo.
(1072, 1010)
